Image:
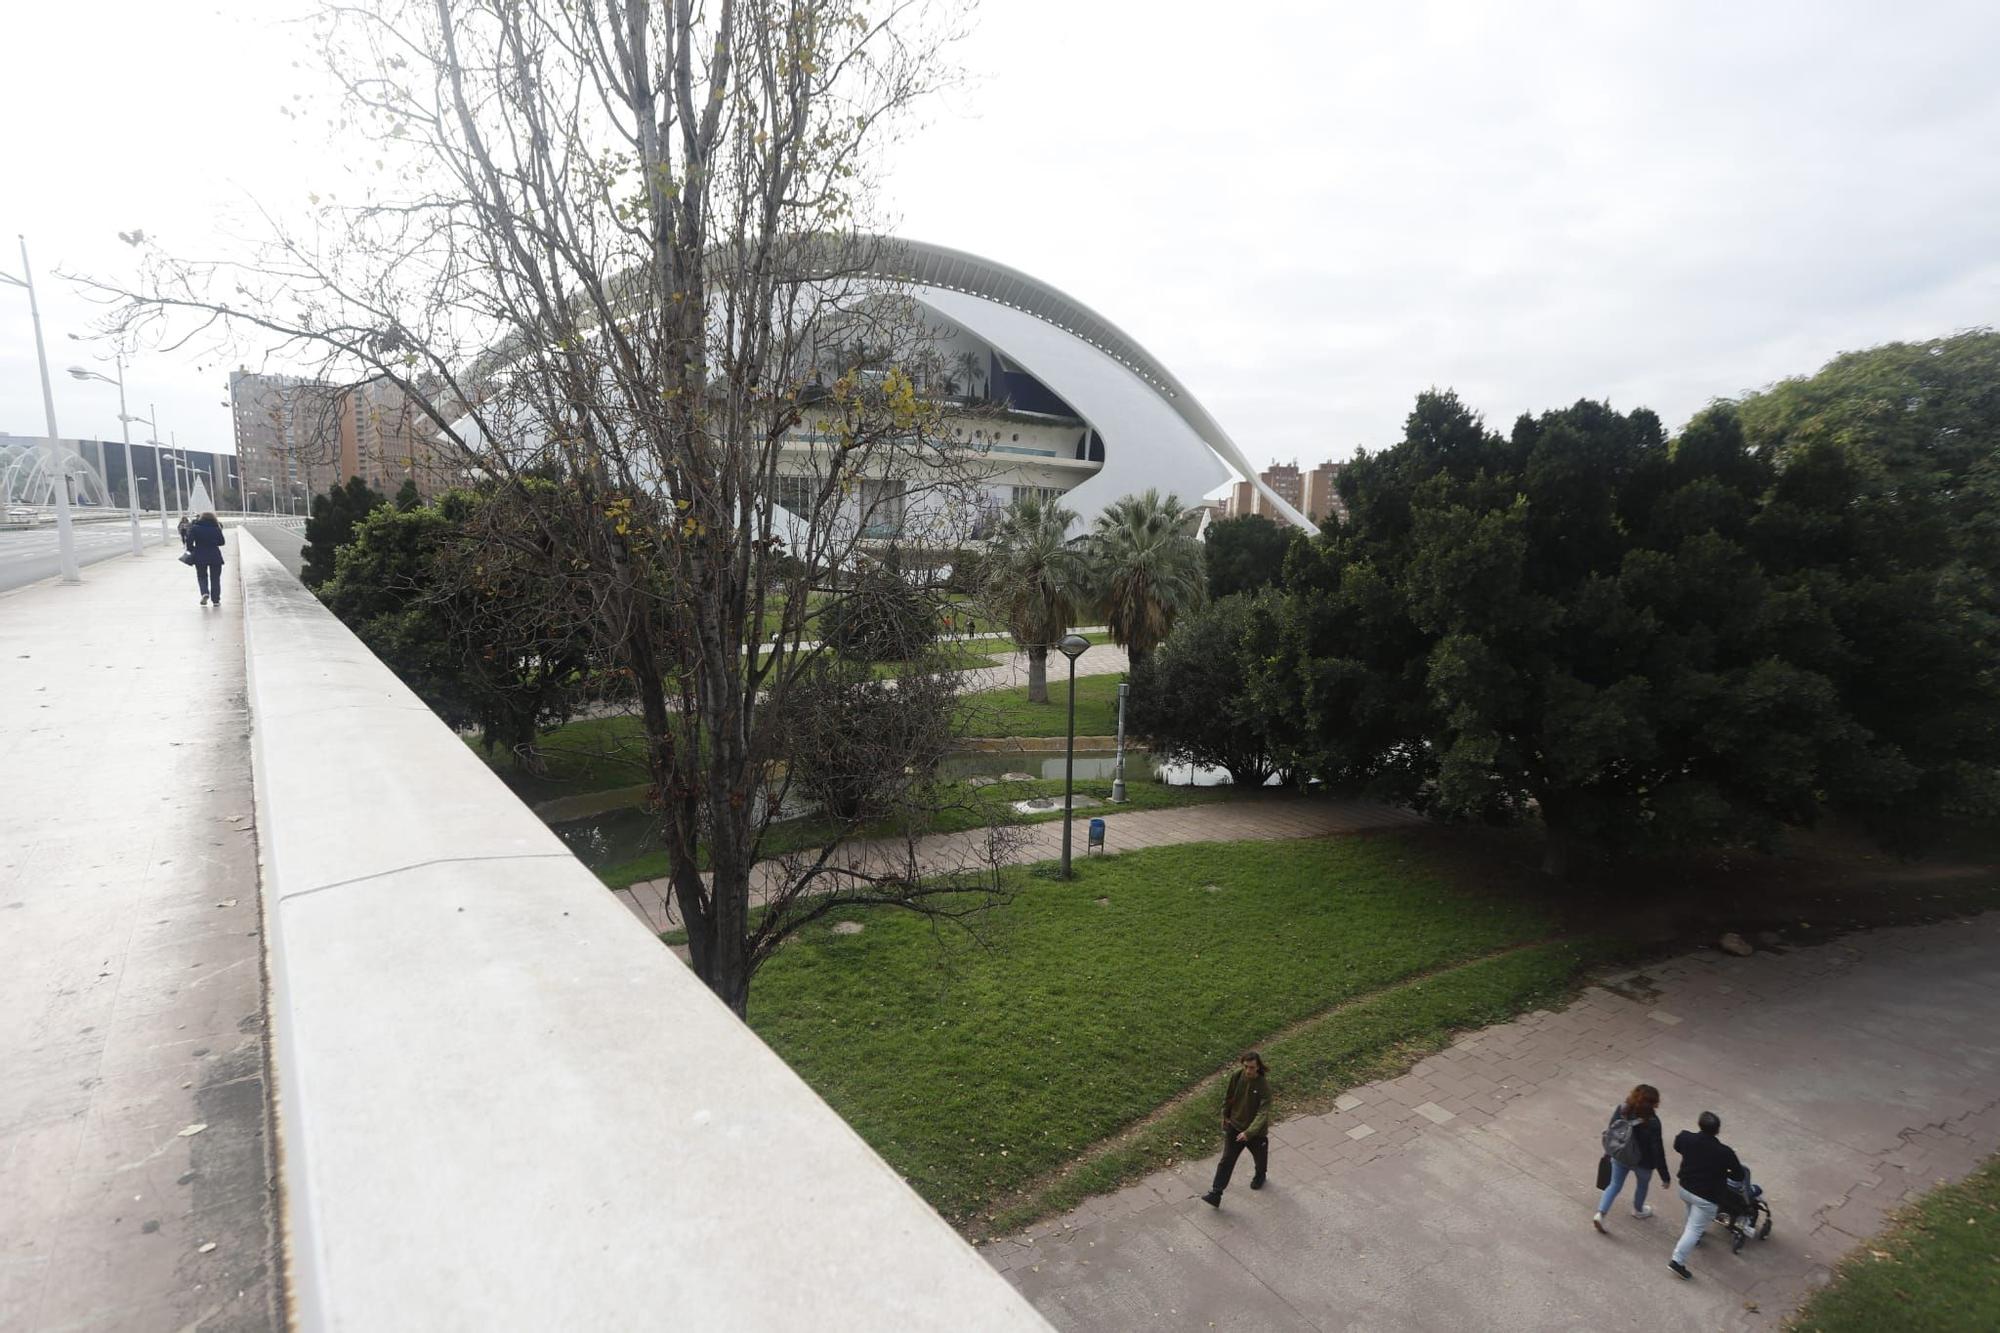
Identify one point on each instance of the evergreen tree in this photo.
(1573, 623)
(478, 631)
(330, 526)
(1244, 554)
(1188, 701)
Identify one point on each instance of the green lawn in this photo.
(1936, 1268)
(1084, 1007)
(974, 809)
(594, 754)
(1008, 713)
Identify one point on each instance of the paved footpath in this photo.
(131, 992)
(1850, 1077)
(1271, 815)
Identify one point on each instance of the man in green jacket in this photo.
(1246, 1123)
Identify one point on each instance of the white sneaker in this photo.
(1642, 1212)
(1597, 1220)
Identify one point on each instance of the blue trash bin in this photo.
(1096, 843)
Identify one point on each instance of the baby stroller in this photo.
(1744, 1212)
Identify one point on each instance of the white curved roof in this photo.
(1120, 388)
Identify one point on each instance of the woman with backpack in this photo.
(1633, 1146)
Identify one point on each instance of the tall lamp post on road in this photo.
(125, 429)
(58, 475)
(169, 469)
(1073, 646)
(152, 421)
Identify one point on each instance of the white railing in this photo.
(501, 1102)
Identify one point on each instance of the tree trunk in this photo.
(1038, 675)
(1556, 853)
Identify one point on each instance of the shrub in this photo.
(881, 619)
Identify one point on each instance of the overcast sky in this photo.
(1309, 212)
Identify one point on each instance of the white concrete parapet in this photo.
(501, 1103)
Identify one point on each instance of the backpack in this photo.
(1621, 1143)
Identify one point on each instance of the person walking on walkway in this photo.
(204, 543)
(1706, 1162)
(1246, 1123)
(183, 530)
(1632, 1142)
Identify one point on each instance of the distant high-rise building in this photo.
(385, 439)
(1285, 480)
(287, 438)
(1322, 496)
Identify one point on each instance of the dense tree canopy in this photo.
(473, 627)
(1886, 510)
(1188, 701)
(1643, 643)
(1244, 554)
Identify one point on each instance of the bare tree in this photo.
(623, 245)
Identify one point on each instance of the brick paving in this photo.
(1261, 816)
(1851, 1077)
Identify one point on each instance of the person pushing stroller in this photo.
(1712, 1179)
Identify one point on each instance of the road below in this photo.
(28, 555)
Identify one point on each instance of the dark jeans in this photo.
(1260, 1153)
(210, 579)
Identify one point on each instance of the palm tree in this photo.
(968, 365)
(1146, 569)
(1035, 581)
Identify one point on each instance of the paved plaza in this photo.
(1850, 1077)
(133, 1130)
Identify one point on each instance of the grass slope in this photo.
(1376, 1036)
(1085, 1007)
(1937, 1267)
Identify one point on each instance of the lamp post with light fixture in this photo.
(58, 474)
(125, 429)
(1072, 646)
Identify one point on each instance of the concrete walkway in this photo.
(1850, 1077)
(1262, 816)
(135, 1190)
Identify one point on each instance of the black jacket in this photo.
(205, 540)
(1705, 1161)
(1646, 1133)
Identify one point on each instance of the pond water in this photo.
(612, 838)
(1094, 765)
(618, 836)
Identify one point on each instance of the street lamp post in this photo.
(125, 429)
(1118, 772)
(159, 466)
(58, 475)
(1073, 647)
